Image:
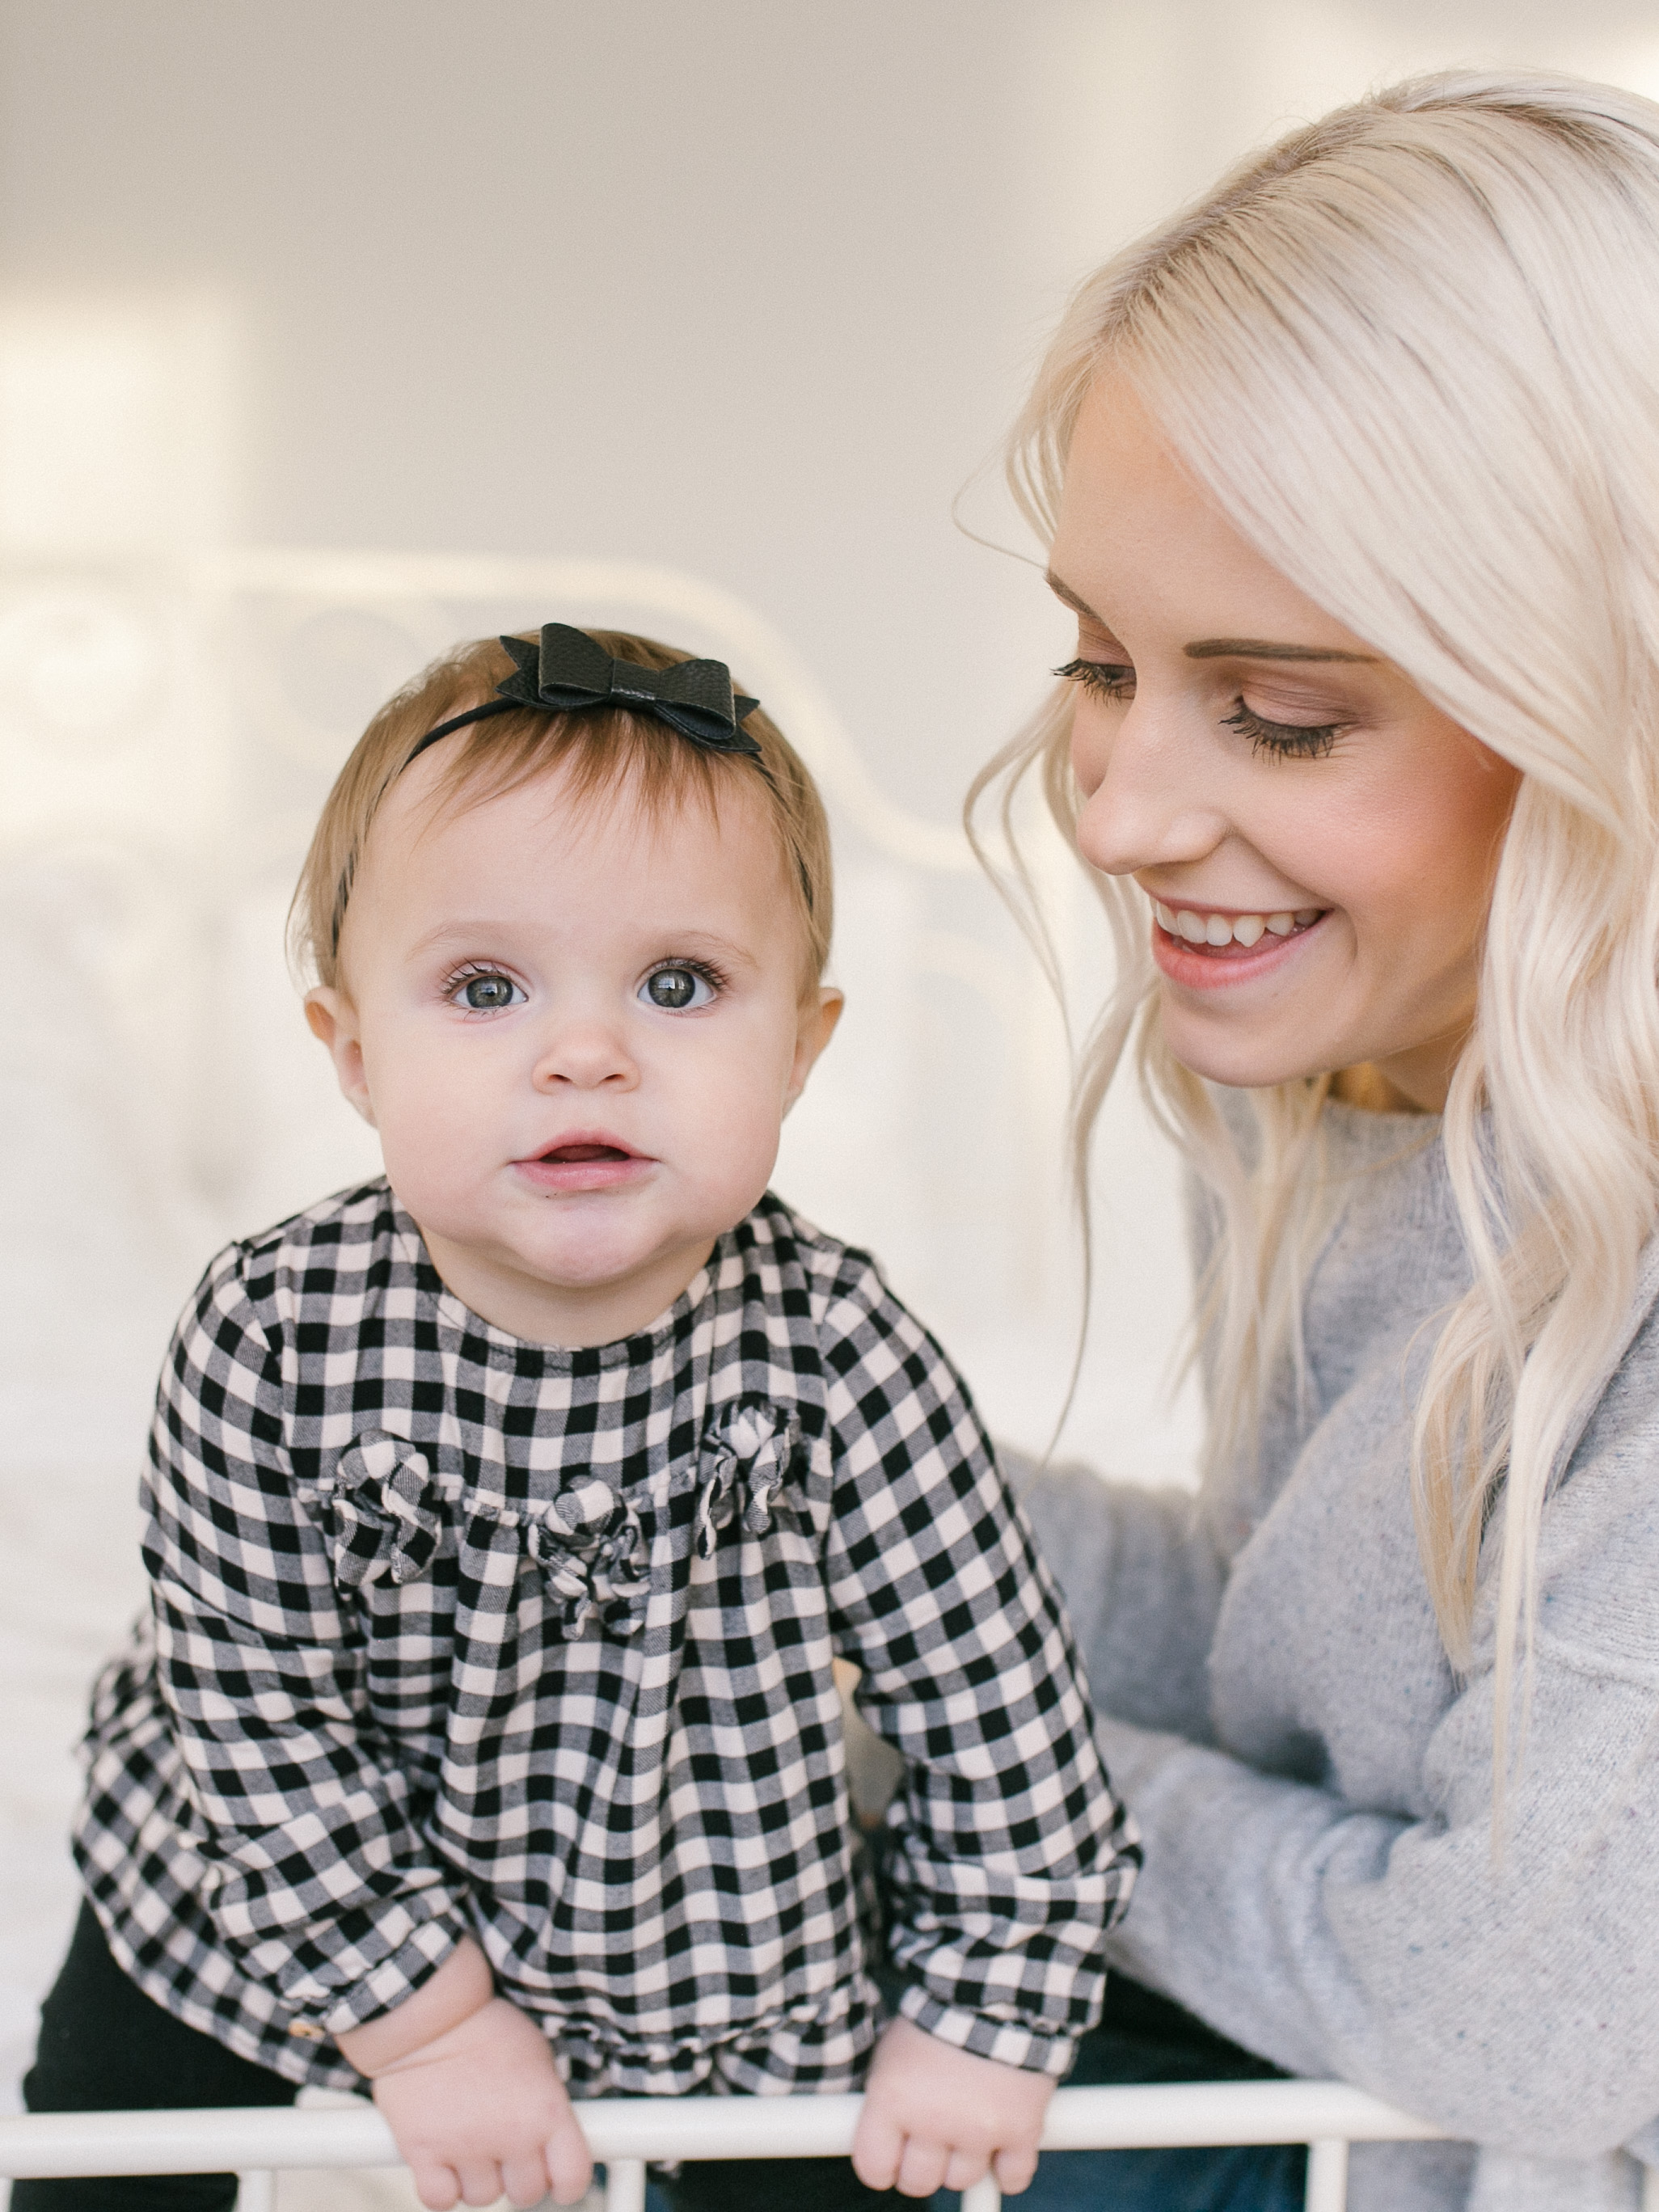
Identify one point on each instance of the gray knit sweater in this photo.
(1313, 1783)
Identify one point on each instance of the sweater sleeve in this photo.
(316, 1876)
(1511, 1996)
(1142, 1582)
(1009, 1854)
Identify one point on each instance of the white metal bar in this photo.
(50, 2144)
(1170, 2114)
(624, 2185)
(984, 2196)
(256, 2192)
(1327, 2176)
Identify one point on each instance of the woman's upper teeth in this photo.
(1232, 928)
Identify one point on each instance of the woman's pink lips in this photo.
(1212, 968)
(584, 1164)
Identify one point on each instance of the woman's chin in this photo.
(1242, 1062)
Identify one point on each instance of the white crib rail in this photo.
(626, 2134)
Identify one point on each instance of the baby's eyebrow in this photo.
(726, 949)
(655, 943)
(479, 925)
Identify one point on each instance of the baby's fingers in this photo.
(480, 2180)
(437, 2186)
(921, 2168)
(965, 2167)
(877, 2146)
(524, 2180)
(569, 2162)
(1015, 2169)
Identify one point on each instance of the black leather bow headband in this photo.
(567, 670)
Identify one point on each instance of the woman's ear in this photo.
(818, 1015)
(333, 1020)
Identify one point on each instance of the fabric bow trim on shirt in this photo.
(387, 1513)
(748, 1449)
(591, 1550)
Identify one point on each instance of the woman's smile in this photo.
(1209, 948)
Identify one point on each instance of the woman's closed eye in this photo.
(1108, 679)
(482, 991)
(1283, 740)
(681, 987)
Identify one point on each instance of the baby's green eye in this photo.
(487, 994)
(676, 988)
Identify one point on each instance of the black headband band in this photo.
(567, 671)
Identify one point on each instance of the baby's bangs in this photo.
(601, 754)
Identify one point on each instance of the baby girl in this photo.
(506, 1515)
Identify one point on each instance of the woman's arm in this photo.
(1143, 1583)
(1513, 1998)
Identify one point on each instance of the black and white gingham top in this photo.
(451, 1631)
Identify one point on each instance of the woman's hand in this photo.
(481, 2113)
(937, 2117)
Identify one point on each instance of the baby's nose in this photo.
(587, 1053)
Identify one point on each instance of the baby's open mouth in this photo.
(589, 1161)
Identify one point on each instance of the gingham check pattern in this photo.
(450, 1631)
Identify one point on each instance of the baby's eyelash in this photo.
(453, 983)
(716, 977)
(1284, 740)
(1109, 680)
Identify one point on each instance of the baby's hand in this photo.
(937, 2117)
(480, 2112)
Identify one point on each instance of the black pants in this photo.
(104, 2046)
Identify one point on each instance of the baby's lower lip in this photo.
(1208, 967)
(583, 1167)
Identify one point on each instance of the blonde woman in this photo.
(1350, 477)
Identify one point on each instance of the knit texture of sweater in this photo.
(1313, 1784)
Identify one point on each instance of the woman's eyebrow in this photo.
(1261, 648)
(1065, 591)
(1220, 648)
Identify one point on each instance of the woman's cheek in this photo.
(1091, 750)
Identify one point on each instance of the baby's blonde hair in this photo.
(1413, 354)
(605, 748)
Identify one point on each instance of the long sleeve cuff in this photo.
(1011, 2043)
(365, 1978)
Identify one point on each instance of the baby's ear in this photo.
(819, 1013)
(333, 1020)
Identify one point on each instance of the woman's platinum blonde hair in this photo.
(1413, 354)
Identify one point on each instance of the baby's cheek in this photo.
(740, 1144)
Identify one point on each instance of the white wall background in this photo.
(738, 291)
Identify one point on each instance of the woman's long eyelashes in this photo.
(1108, 679)
(1284, 740)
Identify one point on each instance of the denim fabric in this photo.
(1145, 2037)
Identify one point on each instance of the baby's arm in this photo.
(1010, 1856)
(469, 2090)
(936, 2117)
(324, 1889)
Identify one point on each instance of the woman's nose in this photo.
(587, 1052)
(1149, 789)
